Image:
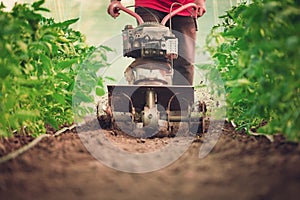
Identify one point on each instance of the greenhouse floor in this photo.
(240, 166)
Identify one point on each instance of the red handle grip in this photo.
(183, 7)
(115, 6)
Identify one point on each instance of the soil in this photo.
(240, 166)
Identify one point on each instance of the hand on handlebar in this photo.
(201, 7)
(113, 8)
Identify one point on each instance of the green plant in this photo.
(89, 85)
(39, 60)
(257, 52)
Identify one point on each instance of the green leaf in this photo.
(81, 97)
(28, 82)
(100, 82)
(67, 63)
(26, 114)
(52, 122)
(65, 77)
(237, 83)
(46, 62)
(38, 4)
(36, 48)
(2, 6)
(66, 23)
(235, 33)
(106, 48)
(100, 91)
(59, 98)
(110, 78)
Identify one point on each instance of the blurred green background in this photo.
(98, 26)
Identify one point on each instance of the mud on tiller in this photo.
(150, 104)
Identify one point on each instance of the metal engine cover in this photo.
(149, 40)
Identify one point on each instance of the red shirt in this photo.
(164, 5)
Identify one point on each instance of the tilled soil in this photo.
(239, 167)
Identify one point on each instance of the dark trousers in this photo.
(184, 29)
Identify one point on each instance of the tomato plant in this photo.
(256, 49)
(39, 60)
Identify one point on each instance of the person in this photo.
(184, 26)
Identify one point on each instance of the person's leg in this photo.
(185, 30)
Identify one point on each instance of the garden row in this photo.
(257, 51)
(39, 62)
